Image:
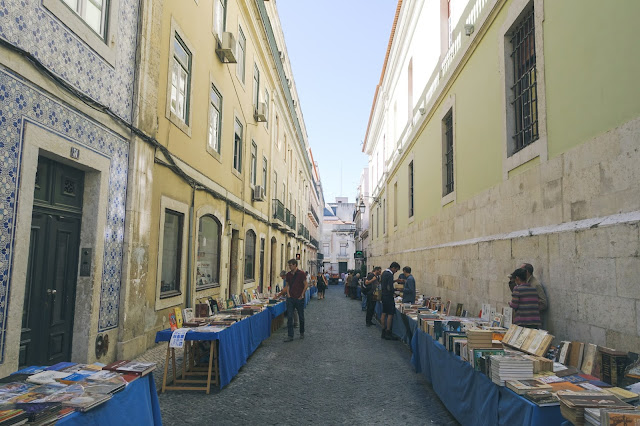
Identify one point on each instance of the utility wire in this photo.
(172, 165)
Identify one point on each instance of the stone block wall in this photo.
(575, 218)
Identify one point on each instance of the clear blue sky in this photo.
(336, 49)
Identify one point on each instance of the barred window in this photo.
(448, 152)
(411, 189)
(525, 98)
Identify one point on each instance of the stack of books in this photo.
(609, 416)
(531, 341)
(523, 386)
(13, 416)
(479, 339)
(573, 404)
(131, 367)
(542, 398)
(510, 367)
(592, 416)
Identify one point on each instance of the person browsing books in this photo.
(370, 285)
(296, 288)
(409, 289)
(388, 306)
(533, 282)
(283, 292)
(524, 301)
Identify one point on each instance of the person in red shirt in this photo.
(296, 288)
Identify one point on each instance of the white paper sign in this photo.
(486, 312)
(177, 338)
(507, 314)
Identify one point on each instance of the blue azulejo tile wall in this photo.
(29, 25)
(20, 101)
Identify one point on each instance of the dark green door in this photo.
(47, 318)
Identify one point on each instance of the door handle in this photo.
(50, 291)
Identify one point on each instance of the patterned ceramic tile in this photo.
(32, 27)
(20, 102)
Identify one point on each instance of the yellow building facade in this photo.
(223, 192)
(505, 132)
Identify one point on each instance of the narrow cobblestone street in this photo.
(341, 373)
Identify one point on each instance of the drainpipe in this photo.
(188, 302)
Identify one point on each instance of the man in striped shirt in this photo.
(524, 301)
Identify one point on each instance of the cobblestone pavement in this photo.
(341, 373)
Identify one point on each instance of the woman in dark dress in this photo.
(322, 285)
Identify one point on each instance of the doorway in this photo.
(233, 262)
(273, 272)
(52, 266)
(261, 265)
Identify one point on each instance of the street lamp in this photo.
(362, 207)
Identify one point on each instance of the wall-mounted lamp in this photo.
(422, 110)
(362, 207)
(469, 29)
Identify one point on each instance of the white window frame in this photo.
(267, 102)
(265, 172)
(219, 19)
(237, 148)
(538, 148)
(242, 55)
(214, 150)
(256, 87)
(184, 125)
(167, 203)
(253, 173)
(105, 45)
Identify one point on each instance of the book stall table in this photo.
(309, 294)
(471, 396)
(233, 346)
(277, 312)
(137, 404)
(402, 327)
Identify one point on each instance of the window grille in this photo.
(448, 153)
(525, 98)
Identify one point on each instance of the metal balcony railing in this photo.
(292, 223)
(313, 212)
(306, 233)
(287, 217)
(278, 210)
(300, 229)
(315, 243)
(344, 228)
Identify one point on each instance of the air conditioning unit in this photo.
(226, 50)
(258, 193)
(261, 112)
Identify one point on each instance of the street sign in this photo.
(359, 254)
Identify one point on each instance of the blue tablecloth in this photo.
(399, 324)
(237, 342)
(277, 309)
(309, 294)
(471, 396)
(137, 404)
